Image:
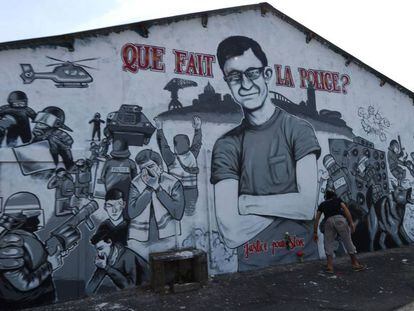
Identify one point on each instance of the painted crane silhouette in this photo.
(173, 86)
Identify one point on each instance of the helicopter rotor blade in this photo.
(85, 59)
(84, 66)
(56, 64)
(59, 60)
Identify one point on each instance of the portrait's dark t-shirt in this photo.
(331, 207)
(263, 159)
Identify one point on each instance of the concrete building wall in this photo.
(246, 194)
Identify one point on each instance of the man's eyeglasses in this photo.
(237, 76)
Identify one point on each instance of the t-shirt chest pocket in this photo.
(278, 167)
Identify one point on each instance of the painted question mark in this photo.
(346, 80)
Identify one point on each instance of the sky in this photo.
(378, 32)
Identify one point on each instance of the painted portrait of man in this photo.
(264, 171)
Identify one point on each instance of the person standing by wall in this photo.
(334, 209)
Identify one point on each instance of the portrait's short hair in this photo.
(114, 194)
(236, 46)
(146, 155)
(102, 234)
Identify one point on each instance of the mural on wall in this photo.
(63, 182)
(123, 266)
(210, 106)
(119, 170)
(83, 177)
(130, 125)
(222, 258)
(156, 200)
(264, 171)
(373, 122)
(50, 127)
(357, 173)
(15, 119)
(66, 74)
(26, 268)
(173, 86)
(235, 167)
(96, 121)
(27, 264)
(182, 163)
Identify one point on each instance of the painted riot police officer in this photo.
(49, 126)
(83, 177)
(62, 181)
(25, 266)
(119, 170)
(15, 119)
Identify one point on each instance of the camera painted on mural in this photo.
(129, 124)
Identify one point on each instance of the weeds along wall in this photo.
(221, 138)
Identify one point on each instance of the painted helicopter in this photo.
(66, 74)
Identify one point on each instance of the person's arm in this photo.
(315, 226)
(103, 174)
(6, 121)
(348, 217)
(61, 139)
(175, 202)
(138, 201)
(165, 150)
(24, 280)
(52, 183)
(95, 281)
(235, 229)
(31, 113)
(120, 279)
(197, 142)
(298, 205)
(134, 170)
(128, 278)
